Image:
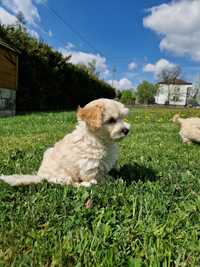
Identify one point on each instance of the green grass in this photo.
(146, 214)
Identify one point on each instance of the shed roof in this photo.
(6, 45)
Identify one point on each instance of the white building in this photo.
(174, 94)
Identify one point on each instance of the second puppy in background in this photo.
(190, 128)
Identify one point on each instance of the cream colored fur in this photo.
(190, 128)
(85, 155)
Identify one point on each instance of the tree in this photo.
(146, 92)
(91, 68)
(196, 88)
(127, 97)
(118, 94)
(193, 96)
(169, 76)
(21, 18)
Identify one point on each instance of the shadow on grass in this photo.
(134, 172)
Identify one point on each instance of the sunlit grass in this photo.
(147, 214)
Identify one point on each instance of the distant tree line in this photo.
(47, 81)
(144, 94)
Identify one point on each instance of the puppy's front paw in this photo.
(88, 183)
(187, 141)
(93, 181)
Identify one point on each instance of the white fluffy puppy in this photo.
(85, 155)
(190, 128)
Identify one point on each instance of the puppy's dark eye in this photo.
(112, 120)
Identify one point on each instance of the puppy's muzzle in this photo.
(125, 131)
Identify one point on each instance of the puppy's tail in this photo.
(15, 179)
(177, 119)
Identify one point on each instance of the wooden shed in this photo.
(8, 78)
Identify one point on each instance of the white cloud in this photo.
(105, 73)
(28, 9)
(69, 46)
(132, 66)
(79, 57)
(8, 14)
(178, 24)
(41, 1)
(121, 84)
(161, 64)
(7, 18)
(50, 33)
(33, 33)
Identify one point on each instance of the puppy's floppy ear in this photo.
(93, 115)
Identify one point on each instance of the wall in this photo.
(178, 94)
(7, 102)
(8, 81)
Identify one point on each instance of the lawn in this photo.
(146, 214)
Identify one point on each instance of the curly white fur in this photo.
(190, 128)
(85, 155)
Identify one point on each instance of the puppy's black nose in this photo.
(125, 131)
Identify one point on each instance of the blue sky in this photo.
(136, 38)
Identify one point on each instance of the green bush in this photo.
(127, 97)
(47, 81)
(192, 101)
(146, 92)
